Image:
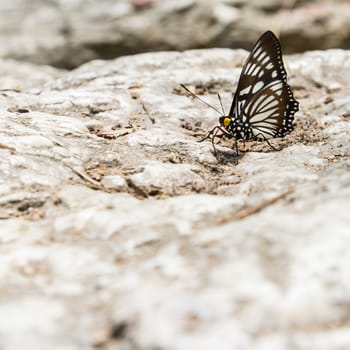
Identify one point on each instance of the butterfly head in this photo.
(225, 121)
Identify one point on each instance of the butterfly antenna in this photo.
(206, 103)
(222, 107)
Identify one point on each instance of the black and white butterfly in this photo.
(263, 106)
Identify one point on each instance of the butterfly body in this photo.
(239, 129)
(263, 106)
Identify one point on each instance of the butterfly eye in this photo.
(227, 122)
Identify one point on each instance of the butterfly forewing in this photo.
(263, 97)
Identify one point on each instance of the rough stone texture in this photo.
(119, 230)
(67, 33)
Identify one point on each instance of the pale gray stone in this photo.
(119, 230)
(114, 182)
(167, 178)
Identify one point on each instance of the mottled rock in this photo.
(167, 178)
(114, 182)
(119, 230)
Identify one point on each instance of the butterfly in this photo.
(263, 106)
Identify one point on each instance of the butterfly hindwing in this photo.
(265, 108)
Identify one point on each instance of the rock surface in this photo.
(68, 33)
(119, 230)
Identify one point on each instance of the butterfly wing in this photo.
(271, 111)
(263, 97)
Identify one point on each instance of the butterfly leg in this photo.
(209, 134)
(273, 147)
(213, 133)
(219, 128)
(212, 140)
(236, 148)
(215, 129)
(243, 140)
(268, 142)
